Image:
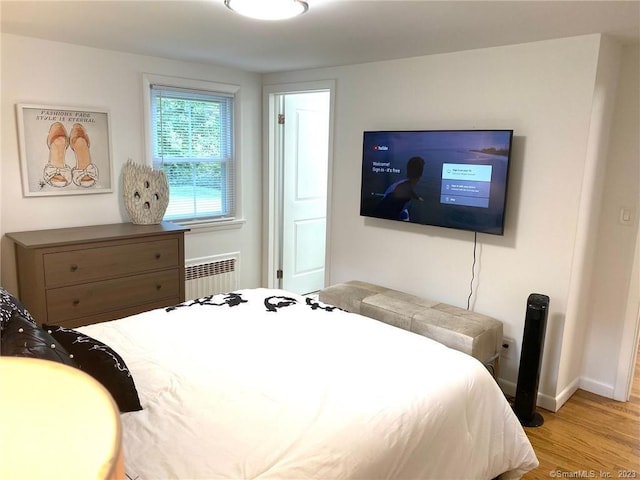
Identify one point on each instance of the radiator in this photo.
(210, 275)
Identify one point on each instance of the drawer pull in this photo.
(76, 302)
(158, 286)
(74, 267)
(157, 256)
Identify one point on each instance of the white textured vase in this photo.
(146, 193)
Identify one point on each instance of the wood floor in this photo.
(589, 437)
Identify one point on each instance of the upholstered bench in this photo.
(477, 335)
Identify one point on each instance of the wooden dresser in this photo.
(78, 276)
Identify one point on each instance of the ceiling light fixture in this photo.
(268, 9)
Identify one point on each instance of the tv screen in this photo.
(454, 178)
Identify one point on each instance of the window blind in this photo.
(192, 142)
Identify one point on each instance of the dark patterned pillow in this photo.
(8, 306)
(102, 363)
(21, 337)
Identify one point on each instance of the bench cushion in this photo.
(348, 296)
(475, 334)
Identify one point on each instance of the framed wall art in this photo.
(64, 150)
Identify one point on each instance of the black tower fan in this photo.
(535, 325)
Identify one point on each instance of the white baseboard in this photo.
(509, 388)
(553, 404)
(565, 394)
(598, 388)
(548, 402)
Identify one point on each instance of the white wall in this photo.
(51, 73)
(614, 265)
(580, 294)
(545, 92)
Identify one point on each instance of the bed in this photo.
(266, 384)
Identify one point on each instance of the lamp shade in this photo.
(268, 9)
(57, 422)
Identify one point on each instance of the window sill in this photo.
(212, 225)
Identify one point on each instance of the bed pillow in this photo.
(8, 306)
(21, 337)
(102, 363)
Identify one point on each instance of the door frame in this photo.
(271, 95)
(630, 332)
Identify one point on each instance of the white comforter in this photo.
(248, 386)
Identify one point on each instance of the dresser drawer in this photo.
(67, 303)
(88, 264)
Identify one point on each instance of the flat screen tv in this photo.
(453, 178)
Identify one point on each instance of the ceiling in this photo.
(331, 33)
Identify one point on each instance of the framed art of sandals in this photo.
(64, 150)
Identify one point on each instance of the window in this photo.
(191, 136)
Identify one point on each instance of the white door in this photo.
(304, 199)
